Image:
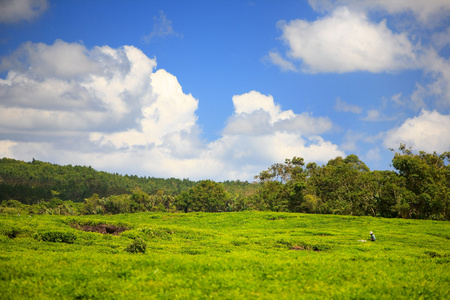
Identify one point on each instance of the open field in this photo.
(245, 255)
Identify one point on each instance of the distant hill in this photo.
(30, 182)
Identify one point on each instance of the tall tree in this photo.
(283, 185)
(207, 196)
(427, 178)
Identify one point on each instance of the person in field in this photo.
(372, 237)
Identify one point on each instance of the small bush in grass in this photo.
(138, 245)
(12, 232)
(56, 237)
(164, 233)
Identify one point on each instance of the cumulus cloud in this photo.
(346, 41)
(429, 131)
(423, 10)
(111, 109)
(171, 112)
(348, 38)
(61, 60)
(260, 132)
(12, 11)
(65, 87)
(257, 114)
(255, 101)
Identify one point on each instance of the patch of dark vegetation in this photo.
(164, 233)
(279, 217)
(301, 246)
(443, 235)
(101, 228)
(320, 233)
(137, 246)
(12, 232)
(56, 237)
(434, 254)
(308, 247)
(192, 251)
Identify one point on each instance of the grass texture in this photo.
(243, 255)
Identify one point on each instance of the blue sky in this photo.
(221, 89)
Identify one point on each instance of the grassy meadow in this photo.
(243, 255)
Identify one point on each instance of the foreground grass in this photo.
(226, 256)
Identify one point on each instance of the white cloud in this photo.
(343, 106)
(250, 154)
(61, 60)
(260, 133)
(284, 64)
(110, 109)
(12, 11)
(441, 40)
(372, 115)
(375, 115)
(162, 27)
(425, 11)
(429, 132)
(254, 101)
(347, 41)
(6, 147)
(64, 87)
(439, 69)
(433, 91)
(397, 99)
(257, 114)
(170, 112)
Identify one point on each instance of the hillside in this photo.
(30, 182)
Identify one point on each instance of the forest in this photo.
(418, 188)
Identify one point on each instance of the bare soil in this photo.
(101, 228)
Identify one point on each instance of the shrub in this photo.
(138, 245)
(12, 232)
(56, 237)
(12, 203)
(165, 233)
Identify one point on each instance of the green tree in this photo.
(427, 179)
(283, 186)
(343, 186)
(207, 196)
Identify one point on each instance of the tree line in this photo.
(418, 187)
(36, 181)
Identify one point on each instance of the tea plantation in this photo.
(241, 255)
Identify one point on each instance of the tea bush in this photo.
(137, 246)
(56, 237)
(245, 255)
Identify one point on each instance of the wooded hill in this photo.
(31, 182)
(418, 188)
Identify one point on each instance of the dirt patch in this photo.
(101, 228)
(301, 248)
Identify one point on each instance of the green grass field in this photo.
(245, 255)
